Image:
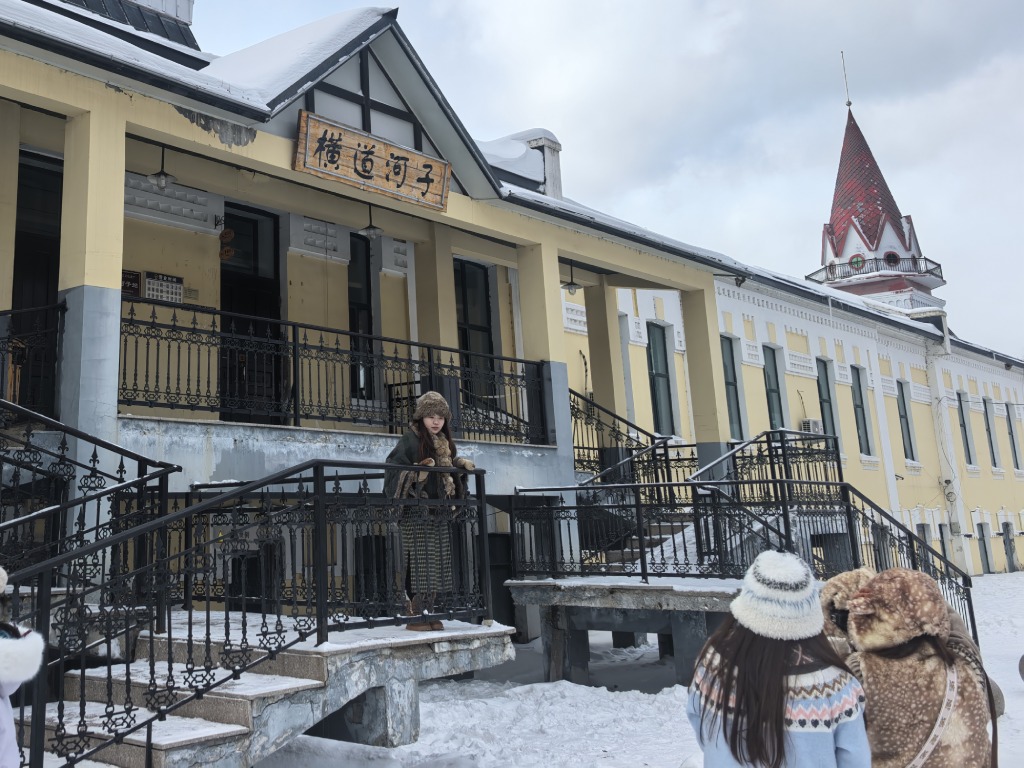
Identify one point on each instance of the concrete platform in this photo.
(680, 610)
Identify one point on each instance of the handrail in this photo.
(735, 450)
(61, 306)
(658, 444)
(591, 403)
(309, 327)
(82, 500)
(142, 529)
(71, 431)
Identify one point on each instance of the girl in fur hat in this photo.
(768, 689)
(927, 696)
(426, 563)
(21, 654)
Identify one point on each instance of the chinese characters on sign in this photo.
(331, 151)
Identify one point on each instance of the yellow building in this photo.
(238, 263)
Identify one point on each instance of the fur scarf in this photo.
(834, 595)
(896, 622)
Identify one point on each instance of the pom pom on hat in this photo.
(779, 598)
(431, 404)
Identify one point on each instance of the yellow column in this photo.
(541, 302)
(10, 125)
(604, 341)
(435, 289)
(704, 364)
(92, 218)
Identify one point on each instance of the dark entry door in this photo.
(254, 348)
(32, 334)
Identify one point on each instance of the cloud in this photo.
(721, 124)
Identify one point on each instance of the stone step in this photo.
(51, 760)
(176, 740)
(232, 701)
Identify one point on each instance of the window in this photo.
(965, 429)
(860, 412)
(476, 337)
(360, 318)
(905, 426)
(993, 451)
(661, 385)
(772, 387)
(828, 414)
(1014, 450)
(732, 389)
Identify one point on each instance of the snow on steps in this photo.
(243, 721)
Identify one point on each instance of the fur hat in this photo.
(431, 404)
(896, 606)
(779, 598)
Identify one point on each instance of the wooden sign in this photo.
(331, 151)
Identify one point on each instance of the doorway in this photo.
(32, 334)
(254, 355)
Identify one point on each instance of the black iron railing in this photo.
(779, 490)
(253, 369)
(29, 350)
(571, 531)
(60, 487)
(855, 268)
(613, 449)
(166, 609)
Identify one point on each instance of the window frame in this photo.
(906, 423)
(826, 403)
(860, 410)
(1011, 432)
(993, 446)
(773, 394)
(965, 430)
(660, 379)
(733, 397)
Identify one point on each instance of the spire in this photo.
(861, 195)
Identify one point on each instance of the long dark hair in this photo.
(427, 440)
(751, 669)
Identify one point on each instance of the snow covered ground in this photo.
(508, 717)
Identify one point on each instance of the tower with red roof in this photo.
(868, 247)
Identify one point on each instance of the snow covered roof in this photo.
(282, 67)
(514, 154)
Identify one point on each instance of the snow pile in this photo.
(507, 717)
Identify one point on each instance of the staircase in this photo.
(217, 629)
(781, 490)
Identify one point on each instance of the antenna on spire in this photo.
(845, 82)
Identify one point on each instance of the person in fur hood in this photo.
(926, 690)
(425, 566)
(21, 654)
(834, 594)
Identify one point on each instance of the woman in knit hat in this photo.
(426, 561)
(768, 689)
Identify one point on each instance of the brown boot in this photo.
(420, 626)
(436, 625)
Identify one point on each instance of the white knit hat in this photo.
(779, 598)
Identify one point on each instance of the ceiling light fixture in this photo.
(572, 286)
(161, 178)
(369, 231)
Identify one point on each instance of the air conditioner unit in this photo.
(814, 426)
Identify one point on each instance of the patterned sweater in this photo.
(824, 721)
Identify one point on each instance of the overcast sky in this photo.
(720, 123)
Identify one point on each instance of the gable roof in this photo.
(254, 84)
(862, 198)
